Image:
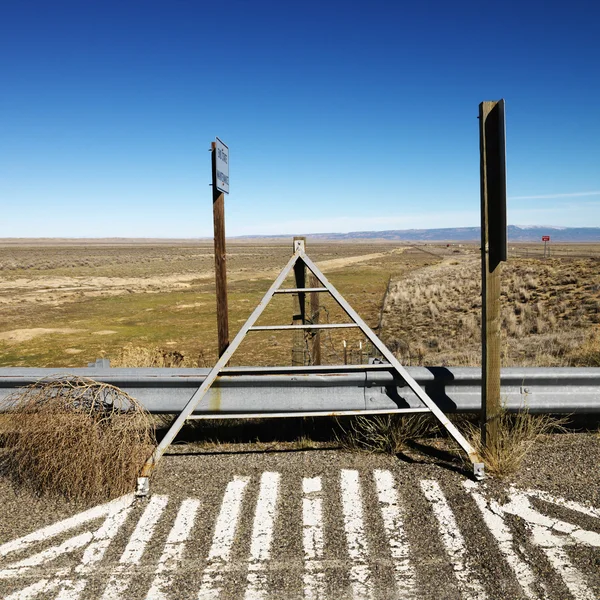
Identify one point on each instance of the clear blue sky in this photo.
(340, 116)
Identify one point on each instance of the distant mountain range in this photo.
(464, 234)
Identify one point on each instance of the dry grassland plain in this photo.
(64, 303)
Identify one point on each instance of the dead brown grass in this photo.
(550, 314)
(132, 356)
(386, 434)
(76, 438)
(517, 433)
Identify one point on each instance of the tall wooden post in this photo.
(299, 299)
(220, 257)
(314, 317)
(492, 147)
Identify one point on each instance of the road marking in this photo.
(20, 559)
(572, 577)
(34, 590)
(393, 523)
(71, 590)
(356, 541)
(173, 550)
(223, 539)
(453, 541)
(551, 534)
(546, 497)
(262, 535)
(492, 515)
(94, 553)
(55, 529)
(121, 578)
(22, 566)
(313, 538)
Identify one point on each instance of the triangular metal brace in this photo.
(300, 255)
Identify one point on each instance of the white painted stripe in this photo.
(393, 523)
(492, 515)
(20, 567)
(71, 590)
(546, 497)
(34, 590)
(262, 535)
(121, 578)
(572, 577)
(453, 541)
(102, 538)
(143, 531)
(313, 539)
(55, 529)
(223, 538)
(520, 506)
(356, 540)
(544, 532)
(173, 550)
(94, 553)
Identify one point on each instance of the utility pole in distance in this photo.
(492, 147)
(220, 187)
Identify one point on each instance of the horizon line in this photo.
(279, 235)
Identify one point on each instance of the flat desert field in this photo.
(64, 303)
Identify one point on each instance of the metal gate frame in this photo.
(143, 487)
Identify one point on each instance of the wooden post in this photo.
(220, 258)
(314, 316)
(493, 252)
(299, 316)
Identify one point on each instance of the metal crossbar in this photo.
(300, 290)
(249, 325)
(310, 413)
(311, 326)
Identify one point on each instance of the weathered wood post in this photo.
(220, 186)
(299, 300)
(492, 146)
(314, 317)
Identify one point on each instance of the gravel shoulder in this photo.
(562, 465)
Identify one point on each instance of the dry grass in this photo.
(550, 314)
(385, 434)
(517, 433)
(588, 353)
(77, 438)
(132, 356)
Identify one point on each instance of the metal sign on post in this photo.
(545, 239)
(222, 174)
(220, 186)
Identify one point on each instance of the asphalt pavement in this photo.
(315, 525)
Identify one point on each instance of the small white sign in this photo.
(222, 166)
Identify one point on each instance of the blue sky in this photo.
(339, 116)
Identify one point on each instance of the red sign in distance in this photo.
(545, 238)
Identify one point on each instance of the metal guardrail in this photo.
(276, 391)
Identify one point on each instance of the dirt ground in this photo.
(60, 301)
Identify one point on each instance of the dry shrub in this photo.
(517, 433)
(131, 356)
(386, 434)
(77, 438)
(588, 354)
